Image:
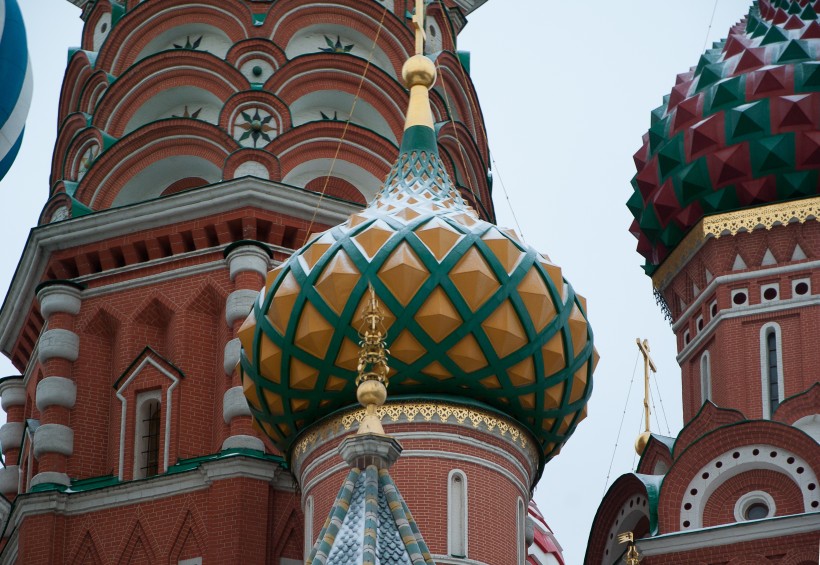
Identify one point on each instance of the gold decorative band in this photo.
(732, 223)
(441, 412)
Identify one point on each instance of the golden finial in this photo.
(632, 556)
(648, 363)
(372, 381)
(419, 75)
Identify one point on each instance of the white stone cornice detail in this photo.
(49, 477)
(53, 438)
(59, 298)
(9, 478)
(231, 358)
(243, 442)
(239, 304)
(12, 393)
(742, 311)
(248, 258)
(737, 277)
(245, 192)
(56, 391)
(64, 344)
(234, 404)
(448, 560)
(11, 435)
(730, 534)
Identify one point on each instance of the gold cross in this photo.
(418, 24)
(648, 364)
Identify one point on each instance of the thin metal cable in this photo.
(663, 410)
(709, 30)
(347, 124)
(507, 197)
(635, 451)
(621, 425)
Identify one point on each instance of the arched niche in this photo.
(196, 36)
(364, 181)
(152, 181)
(324, 37)
(335, 104)
(179, 102)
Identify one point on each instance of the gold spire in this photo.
(372, 381)
(419, 75)
(648, 363)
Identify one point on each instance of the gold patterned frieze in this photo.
(731, 224)
(432, 411)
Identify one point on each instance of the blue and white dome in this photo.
(15, 76)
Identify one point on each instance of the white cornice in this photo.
(771, 528)
(217, 198)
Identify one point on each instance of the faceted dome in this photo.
(471, 312)
(739, 130)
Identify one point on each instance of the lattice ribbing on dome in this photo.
(738, 130)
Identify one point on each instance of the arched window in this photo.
(521, 533)
(457, 514)
(771, 368)
(705, 377)
(308, 526)
(147, 436)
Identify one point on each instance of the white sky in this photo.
(566, 89)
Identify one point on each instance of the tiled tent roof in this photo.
(370, 523)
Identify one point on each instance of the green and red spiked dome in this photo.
(738, 130)
(473, 315)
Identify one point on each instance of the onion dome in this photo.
(736, 131)
(471, 312)
(15, 70)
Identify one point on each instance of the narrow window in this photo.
(705, 378)
(457, 514)
(771, 368)
(148, 428)
(308, 527)
(773, 371)
(521, 533)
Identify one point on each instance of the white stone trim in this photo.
(218, 198)
(11, 435)
(168, 412)
(55, 391)
(231, 358)
(457, 509)
(12, 393)
(243, 442)
(9, 479)
(742, 311)
(764, 366)
(448, 560)
(730, 534)
(53, 438)
(809, 424)
(308, 536)
(248, 258)
(234, 404)
(239, 305)
(521, 530)
(705, 377)
(627, 517)
(744, 502)
(49, 477)
(64, 344)
(731, 467)
(59, 298)
(737, 277)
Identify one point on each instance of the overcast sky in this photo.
(566, 89)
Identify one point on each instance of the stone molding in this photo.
(248, 258)
(11, 436)
(59, 298)
(12, 393)
(234, 404)
(53, 438)
(9, 479)
(64, 344)
(243, 442)
(231, 358)
(239, 305)
(56, 391)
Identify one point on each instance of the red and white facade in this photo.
(199, 143)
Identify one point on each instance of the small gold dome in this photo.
(640, 443)
(418, 70)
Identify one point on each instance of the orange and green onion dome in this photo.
(739, 130)
(472, 314)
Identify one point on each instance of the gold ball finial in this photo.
(371, 393)
(640, 443)
(418, 70)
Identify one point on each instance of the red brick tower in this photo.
(199, 144)
(726, 207)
